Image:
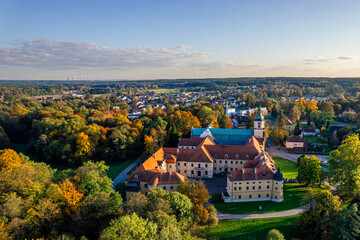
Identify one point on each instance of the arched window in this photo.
(226, 155)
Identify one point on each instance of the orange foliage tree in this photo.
(70, 196)
(8, 159)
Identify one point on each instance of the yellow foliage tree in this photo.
(70, 196)
(82, 144)
(9, 159)
(149, 144)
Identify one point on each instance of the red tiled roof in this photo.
(264, 169)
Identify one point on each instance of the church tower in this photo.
(259, 125)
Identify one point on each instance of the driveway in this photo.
(215, 184)
(223, 216)
(123, 175)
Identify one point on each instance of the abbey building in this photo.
(251, 174)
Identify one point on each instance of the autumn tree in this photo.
(318, 221)
(72, 198)
(199, 195)
(82, 144)
(9, 159)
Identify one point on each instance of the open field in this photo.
(253, 228)
(165, 90)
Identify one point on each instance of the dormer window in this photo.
(236, 156)
(246, 156)
(226, 155)
(136, 176)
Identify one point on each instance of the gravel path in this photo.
(223, 216)
(123, 175)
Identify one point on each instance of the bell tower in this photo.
(259, 125)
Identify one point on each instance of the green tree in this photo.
(322, 118)
(309, 171)
(347, 224)
(275, 234)
(344, 167)
(129, 227)
(318, 221)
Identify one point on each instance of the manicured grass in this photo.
(293, 194)
(253, 228)
(117, 167)
(287, 167)
(313, 139)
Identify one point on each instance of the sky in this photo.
(134, 39)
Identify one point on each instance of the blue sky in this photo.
(176, 39)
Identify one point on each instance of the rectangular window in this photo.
(259, 196)
(235, 183)
(220, 161)
(231, 169)
(236, 162)
(250, 196)
(240, 188)
(276, 183)
(234, 188)
(268, 182)
(247, 188)
(253, 182)
(240, 162)
(178, 171)
(184, 171)
(225, 161)
(259, 187)
(267, 195)
(235, 168)
(145, 185)
(171, 187)
(185, 164)
(192, 171)
(231, 162)
(253, 187)
(247, 182)
(276, 188)
(205, 165)
(259, 182)
(215, 168)
(164, 187)
(239, 196)
(178, 164)
(268, 187)
(192, 165)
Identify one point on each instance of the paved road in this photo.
(223, 216)
(123, 175)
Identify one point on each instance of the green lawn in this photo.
(293, 194)
(313, 139)
(118, 167)
(287, 167)
(253, 228)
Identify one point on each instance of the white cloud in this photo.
(53, 54)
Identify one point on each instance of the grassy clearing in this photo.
(117, 167)
(288, 167)
(165, 90)
(293, 194)
(253, 228)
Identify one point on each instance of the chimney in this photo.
(255, 170)
(169, 173)
(242, 170)
(177, 151)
